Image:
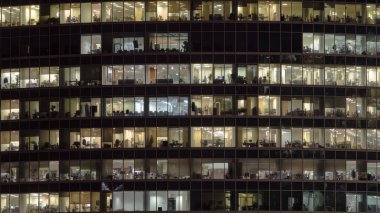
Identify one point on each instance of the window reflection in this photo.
(69, 13)
(269, 10)
(118, 74)
(269, 105)
(246, 105)
(169, 42)
(20, 15)
(339, 44)
(248, 200)
(71, 76)
(32, 140)
(91, 44)
(269, 74)
(211, 105)
(10, 109)
(291, 11)
(333, 106)
(127, 106)
(247, 74)
(247, 137)
(251, 10)
(82, 107)
(10, 78)
(202, 168)
(168, 106)
(10, 140)
(90, 12)
(212, 10)
(212, 136)
(30, 77)
(178, 137)
(128, 44)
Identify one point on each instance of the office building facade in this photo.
(192, 106)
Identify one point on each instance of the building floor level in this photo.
(189, 106)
